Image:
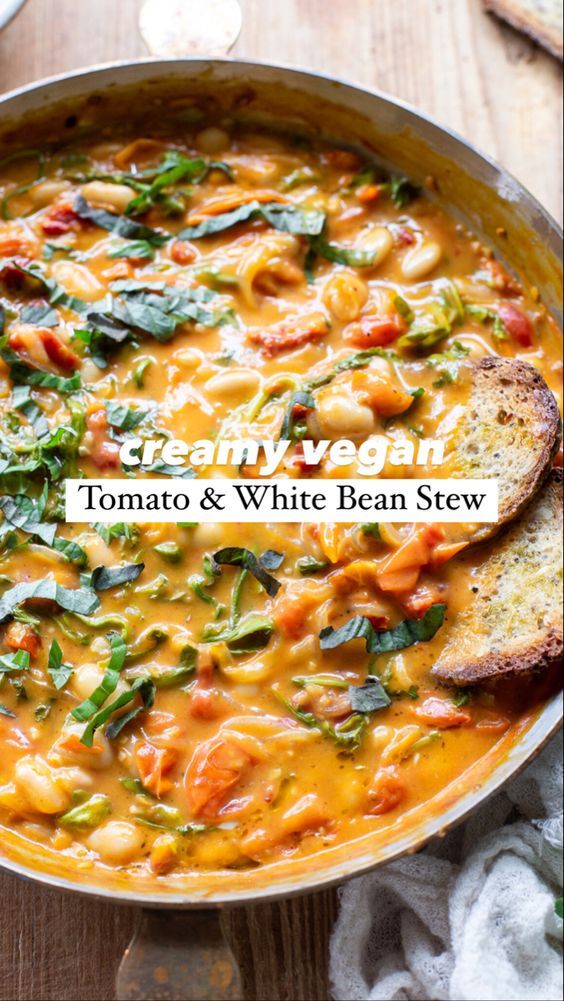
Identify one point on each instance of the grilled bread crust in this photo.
(511, 430)
(514, 626)
(540, 19)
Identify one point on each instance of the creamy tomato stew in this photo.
(167, 704)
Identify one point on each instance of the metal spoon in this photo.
(190, 27)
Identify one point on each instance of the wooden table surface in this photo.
(473, 74)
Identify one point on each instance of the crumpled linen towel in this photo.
(470, 918)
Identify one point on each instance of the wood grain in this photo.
(471, 73)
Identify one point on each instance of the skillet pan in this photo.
(178, 950)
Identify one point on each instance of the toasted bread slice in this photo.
(540, 19)
(509, 430)
(514, 625)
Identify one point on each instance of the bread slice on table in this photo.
(514, 625)
(540, 19)
(509, 430)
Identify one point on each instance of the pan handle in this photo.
(178, 956)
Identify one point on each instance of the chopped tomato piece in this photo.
(161, 726)
(58, 352)
(20, 636)
(182, 252)
(216, 767)
(381, 394)
(153, 764)
(445, 552)
(420, 602)
(204, 702)
(10, 274)
(205, 667)
(295, 603)
(408, 559)
(16, 246)
(441, 713)
(141, 152)
(517, 324)
(374, 331)
(404, 237)
(72, 742)
(227, 203)
(291, 334)
(417, 549)
(378, 622)
(386, 791)
(368, 193)
(104, 453)
(342, 159)
(60, 219)
(398, 581)
(558, 459)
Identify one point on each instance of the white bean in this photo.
(207, 535)
(237, 382)
(103, 194)
(36, 781)
(345, 294)
(46, 192)
(116, 842)
(420, 261)
(77, 280)
(212, 140)
(378, 241)
(188, 357)
(341, 414)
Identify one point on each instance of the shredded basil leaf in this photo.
(18, 661)
(80, 599)
(109, 682)
(288, 218)
(369, 697)
(39, 314)
(402, 191)
(291, 430)
(405, 634)
(59, 672)
(249, 634)
(123, 417)
(349, 256)
(309, 564)
(237, 556)
(103, 578)
(145, 688)
(118, 224)
(141, 249)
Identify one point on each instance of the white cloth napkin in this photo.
(470, 918)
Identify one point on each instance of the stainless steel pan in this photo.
(183, 956)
